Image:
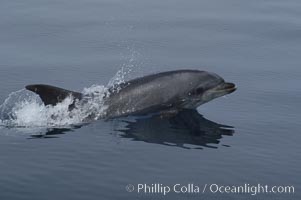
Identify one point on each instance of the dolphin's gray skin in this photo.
(166, 91)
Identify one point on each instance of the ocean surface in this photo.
(250, 137)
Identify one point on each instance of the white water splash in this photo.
(25, 109)
(126, 71)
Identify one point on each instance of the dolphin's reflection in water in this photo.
(188, 129)
(53, 132)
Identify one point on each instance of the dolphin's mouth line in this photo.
(226, 87)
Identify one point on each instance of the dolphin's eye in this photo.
(197, 91)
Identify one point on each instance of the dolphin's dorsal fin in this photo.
(52, 95)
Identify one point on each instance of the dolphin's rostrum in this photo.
(166, 91)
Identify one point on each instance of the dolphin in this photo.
(165, 92)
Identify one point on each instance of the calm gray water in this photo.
(250, 137)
